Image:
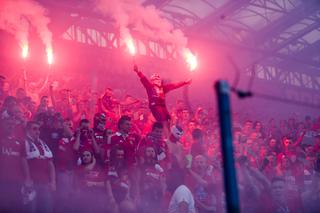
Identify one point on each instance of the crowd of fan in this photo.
(92, 153)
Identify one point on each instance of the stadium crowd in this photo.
(80, 151)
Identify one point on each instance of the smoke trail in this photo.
(148, 21)
(14, 22)
(15, 16)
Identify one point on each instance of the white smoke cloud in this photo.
(147, 20)
(16, 15)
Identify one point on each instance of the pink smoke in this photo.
(148, 21)
(16, 15)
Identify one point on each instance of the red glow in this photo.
(191, 59)
(49, 56)
(130, 45)
(25, 50)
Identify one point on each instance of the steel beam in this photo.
(219, 14)
(294, 16)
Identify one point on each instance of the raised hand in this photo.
(135, 68)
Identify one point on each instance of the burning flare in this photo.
(25, 50)
(49, 56)
(191, 59)
(130, 45)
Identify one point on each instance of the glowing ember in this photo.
(49, 56)
(25, 50)
(191, 59)
(130, 45)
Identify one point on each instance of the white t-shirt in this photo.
(181, 194)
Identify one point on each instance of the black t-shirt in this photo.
(51, 137)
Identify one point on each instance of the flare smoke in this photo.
(148, 21)
(16, 15)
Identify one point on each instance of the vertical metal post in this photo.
(230, 181)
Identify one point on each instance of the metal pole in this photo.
(230, 181)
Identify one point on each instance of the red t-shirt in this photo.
(90, 179)
(129, 143)
(66, 157)
(150, 180)
(12, 152)
(100, 137)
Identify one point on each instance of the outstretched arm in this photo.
(53, 98)
(142, 77)
(300, 138)
(139, 73)
(172, 86)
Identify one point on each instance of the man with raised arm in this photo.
(156, 91)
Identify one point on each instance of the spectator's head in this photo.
(308, 149)
(87, 156)
(192, 125)
(185, 114)
(57, 121)
(200, 163)
(20, 94)
(157, 129)
(156, 80)
(253, 136)
(33, 130)
(44, 101)
(272, 142)
(99, 121)
(179, 114)
(278, 189)
(117, 157)
(124, 124)
(257, 126)
(243, 160)
(197, 135)
(67, 127)
(84, 124)
(200, 113)
(286, 141)
(248, 125)
(68, 123)
(150, 157)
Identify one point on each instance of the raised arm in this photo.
(172, 86)
(299, 139)
(76, 145)
(139, 73)
(96, 147)
(145, 82)
(53, 98)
